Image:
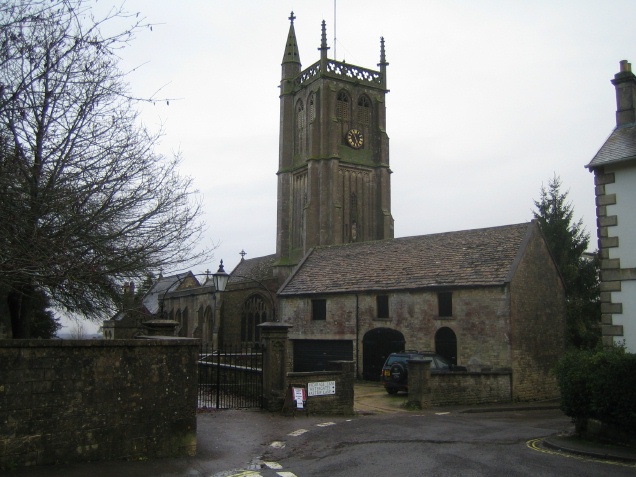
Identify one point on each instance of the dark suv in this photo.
(394, 375)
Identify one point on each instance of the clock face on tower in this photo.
(355, 139)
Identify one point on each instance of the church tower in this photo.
(333, 174)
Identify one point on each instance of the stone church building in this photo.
(487, 298)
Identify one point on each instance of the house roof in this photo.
(259, 268)
(481, 257)
(159, 289)
(620, 146)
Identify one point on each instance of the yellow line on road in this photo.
(535, 444)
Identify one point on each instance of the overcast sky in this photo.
(488, 100)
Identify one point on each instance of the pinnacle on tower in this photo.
(291, 48)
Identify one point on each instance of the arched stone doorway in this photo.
(446, 344)
(377, 344)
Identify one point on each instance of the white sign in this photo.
(321, 389)
(299, 397)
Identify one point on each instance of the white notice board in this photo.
(321, 389)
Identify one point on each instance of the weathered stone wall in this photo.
(480, 321)
(537, 323)
(88, 400)
(426, 389)
(195, 310)
(470, 388)
(340, 403)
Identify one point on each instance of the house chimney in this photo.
(625, 84)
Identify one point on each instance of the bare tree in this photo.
(85, 202)
(78, 330)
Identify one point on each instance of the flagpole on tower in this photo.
(335, 56)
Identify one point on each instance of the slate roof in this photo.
(481, 257)
(259, 268)
(159, 289)
(620, 146)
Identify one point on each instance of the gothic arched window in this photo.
(364, 110)
(184, 323)
(179, 319)
(254, 313)
(300, 127)
(312, 107)
(353, 217)
(342, 106)
(208, 320)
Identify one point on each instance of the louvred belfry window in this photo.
(300, 127)
(342, 106)
(364, 111)
(312, 107)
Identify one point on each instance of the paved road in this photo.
(382, 440)
(434, 444)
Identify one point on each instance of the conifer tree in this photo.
(568, 242)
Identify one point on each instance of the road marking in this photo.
(326, 424)
(535, 444)
(251, 473)
(245, 473)
(277, 445)
(297, 433)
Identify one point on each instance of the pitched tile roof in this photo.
(481, 257)
(163, 285)
(259, 268)
(620, 146)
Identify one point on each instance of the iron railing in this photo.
(231, 377)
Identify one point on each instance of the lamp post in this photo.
(220, 278)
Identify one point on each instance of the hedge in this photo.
(599, 384)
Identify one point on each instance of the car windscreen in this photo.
(394, 359)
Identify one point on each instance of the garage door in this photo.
(314, 355)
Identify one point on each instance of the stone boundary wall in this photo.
(470, 388)
(462, 388)
(96, 400)
(340, 403)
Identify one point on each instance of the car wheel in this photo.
(392, 390)
(398, 373)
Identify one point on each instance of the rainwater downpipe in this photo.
(357, 338)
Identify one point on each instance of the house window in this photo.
(319, 309)
(382, 302)
(342, 106)
(445, 304)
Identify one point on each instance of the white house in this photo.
(614, 168)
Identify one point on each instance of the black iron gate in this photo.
(231, 378)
